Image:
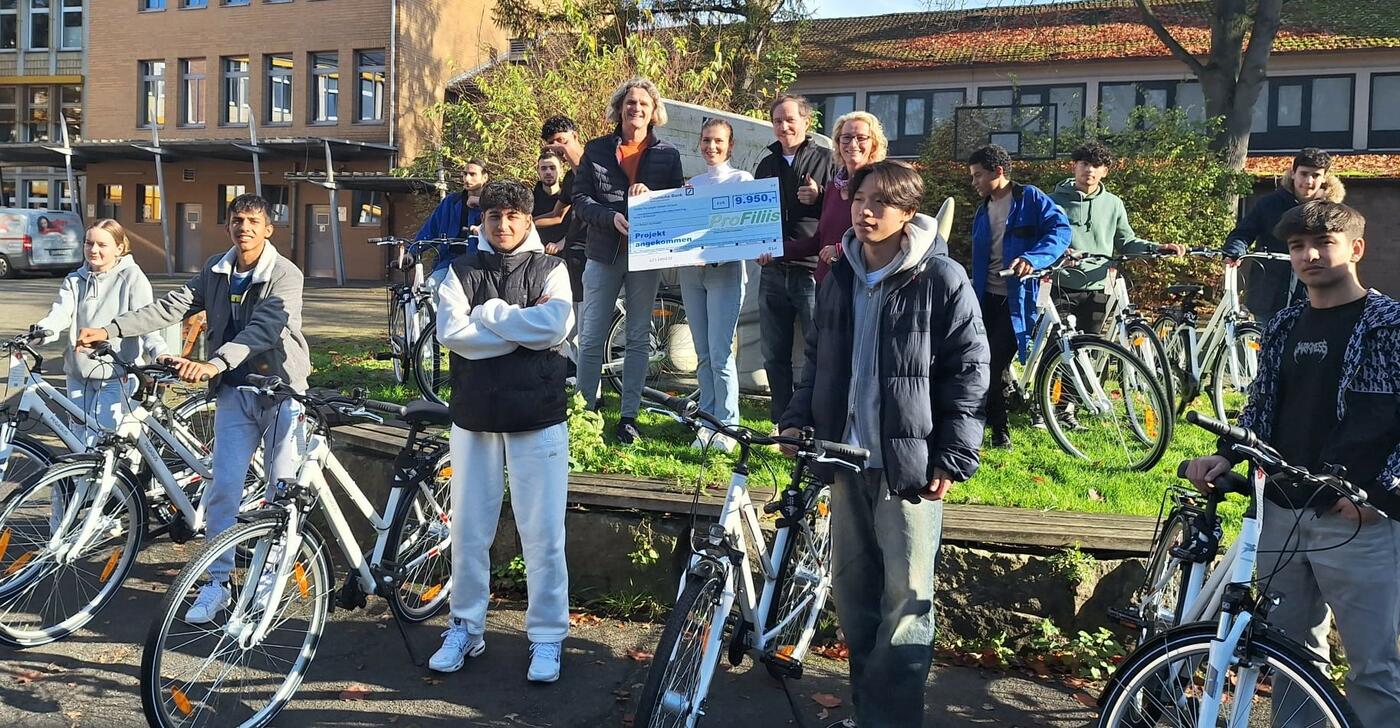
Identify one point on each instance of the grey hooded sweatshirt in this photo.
(87, 299)
(867, 299)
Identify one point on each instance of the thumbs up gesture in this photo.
(809, 191)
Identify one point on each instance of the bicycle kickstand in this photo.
(407, 643)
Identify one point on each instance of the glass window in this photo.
(235, 90)
(71, 100)
(1260, 116)
(1385, 103)
(1331, 104)
(276, 195)
(152, 4)
(915, 117)
(9, 114)
(227, 194)
(1070, 102)
(325, 71)
(369, 209)
(279, 89)
(234, 3)
(151, 208)
(152, 109)
(830, 107)
(109, 201)
(885, 107)
(194, 3)
(369, 69)
(1116, 104)
(72, 28)
(38, 110)
(1190, 99)
(994, 97)
(1289, 106)
(192, 100)
(9, 24)
(36, 194)
(38, 24)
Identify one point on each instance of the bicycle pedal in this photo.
(1127, 616)
(179, 530)
(349, 595)
(385, 356)
(783, 663)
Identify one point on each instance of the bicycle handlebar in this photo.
(388, 408)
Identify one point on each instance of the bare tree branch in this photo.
(1152, 21)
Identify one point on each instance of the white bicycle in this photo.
(775, 620)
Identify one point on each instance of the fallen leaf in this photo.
(826, 700)
(28, 676)
(430, 680)
(639, 655)
(355, 692)
(1086, 700)
(1095, 495)
(1037, 479)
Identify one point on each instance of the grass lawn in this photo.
(1034, 474)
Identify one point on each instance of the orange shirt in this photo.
(629, 156)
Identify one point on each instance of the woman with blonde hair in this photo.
(107, 285)
(860, 141)
(629, 161)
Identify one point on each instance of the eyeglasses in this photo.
(858, 139)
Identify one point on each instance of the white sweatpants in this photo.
(538, 462)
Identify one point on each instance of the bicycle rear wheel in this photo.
(668, 340)
(1273, 685)
(1160, 599)
(430, 367)
(421, 531)
(26, 463)
(46, 591)
(804, 581)
(1103, 405)
(400, 343)
(1233, 370)
(689, 651)
(208, 674)
(1146, 346)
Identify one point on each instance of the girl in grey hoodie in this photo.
(108, 284)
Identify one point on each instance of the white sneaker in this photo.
(544, 661)
(458, 645)
(723, 442)
(213, 598)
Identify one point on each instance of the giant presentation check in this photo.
(712, 224)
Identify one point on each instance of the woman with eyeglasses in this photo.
(860, 141)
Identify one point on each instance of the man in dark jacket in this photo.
(1328, 394)
(1271, 285)
(457, 216)
(786, 287)
(897, 363)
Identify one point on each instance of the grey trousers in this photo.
(884, 556)
(1358, 584)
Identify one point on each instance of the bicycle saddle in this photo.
(1186, 290)
(423, 412)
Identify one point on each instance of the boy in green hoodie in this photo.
(1099, 224)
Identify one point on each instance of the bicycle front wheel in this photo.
(1273, 685)
(421, 534)
(804, 581)
(216, 673)
(689, 651)
(430, 367)
(1160, 599)
(1146, 346)
(1234, 370)
(50, 588)
(1103, 405)
(26, 463)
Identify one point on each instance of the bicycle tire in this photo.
(421, 593)
(26, 561)
(1153, 432)
(16, 473)
(1247, 344)
(400, 345)
(808, 555)
(163, 702)
(1144, 343)
(1166, 575)
(668, 320)
(431, 367)
(1168, 330)
(1127, 703)
(704, 592)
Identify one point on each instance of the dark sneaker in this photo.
(626, 432)
(1067, 420)
(1001, 439)
(844, 723)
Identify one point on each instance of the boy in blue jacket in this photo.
(457, 216)
(1017, 227)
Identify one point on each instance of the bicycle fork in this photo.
(250, 635)
(67, 553)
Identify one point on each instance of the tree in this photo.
(1234, 69)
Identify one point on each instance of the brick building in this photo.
(188, 97)
(41, 84)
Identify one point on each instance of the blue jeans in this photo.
(104, 401)
(242, 422)
(884, 554)
(602, 283)
(713, 295)
(788, 295)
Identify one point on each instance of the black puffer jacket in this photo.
(600, 189)
(933, 361)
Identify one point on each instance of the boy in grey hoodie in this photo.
(107, 285)
(252, 296)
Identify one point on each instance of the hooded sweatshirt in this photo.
(867, 300)
(87, 299)
(1098, 223)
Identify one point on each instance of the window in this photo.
(227, 194)
(36, 194)
(829, 108)
(1385, 112)
(279, 89)
(327, 87)
(1117, 100)
(65, 199)
(368, 207)
(192, 92)
(38, 24)
(109, 201)
(276, 195)
(151, 208)
(909, 116)
(9, 25)
(1068, 102)
(9, 114)
(37, 117)
(152, 4)
(369, 69)
(234, 3)
(152, 94)
(71, 33)
(194, 3)
(71, 102)
(1302, 111)
(235, 90)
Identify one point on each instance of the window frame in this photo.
(225, 77)
(1290, 138)
(1047, 89)
(107, 206)
(11, 12)
(152, 6)
(359, 200)
(26, 118)
(819, 102)
(908, 146)
(279, 197)
(143, 194)
(145, 74)
(74, 132)
(271, 74)
(29, 198)
(361, 68)
(1379, 138)
(1172, 87)
(331, 73)
(13, 106)
(189, 4)
(64, 10)
(45, 13)
(225, 199)
(201, 78)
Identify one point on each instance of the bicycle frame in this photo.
(1204, 346)
(1050, 324)
(35, 400)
